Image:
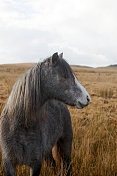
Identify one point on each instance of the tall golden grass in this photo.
(94, 149)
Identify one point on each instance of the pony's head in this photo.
(59, 82)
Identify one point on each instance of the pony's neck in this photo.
(44, 96)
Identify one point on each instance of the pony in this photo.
(34, 118)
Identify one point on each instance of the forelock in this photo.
(65, 68)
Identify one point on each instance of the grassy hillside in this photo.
(94, 151)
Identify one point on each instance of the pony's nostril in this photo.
(88, 99)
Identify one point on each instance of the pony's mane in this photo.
(24, 101)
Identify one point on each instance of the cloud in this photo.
(86, 31)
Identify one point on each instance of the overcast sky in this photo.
(84, 30)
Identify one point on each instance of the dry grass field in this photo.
(94, 150)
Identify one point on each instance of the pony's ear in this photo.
(55, 58)
(61, 56)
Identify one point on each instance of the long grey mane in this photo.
(23, 103)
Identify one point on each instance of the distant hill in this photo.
(113, 66)
(28, 65)
(109, 66)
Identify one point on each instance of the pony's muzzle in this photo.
(81, 105)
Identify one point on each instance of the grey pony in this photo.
(34, 118)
